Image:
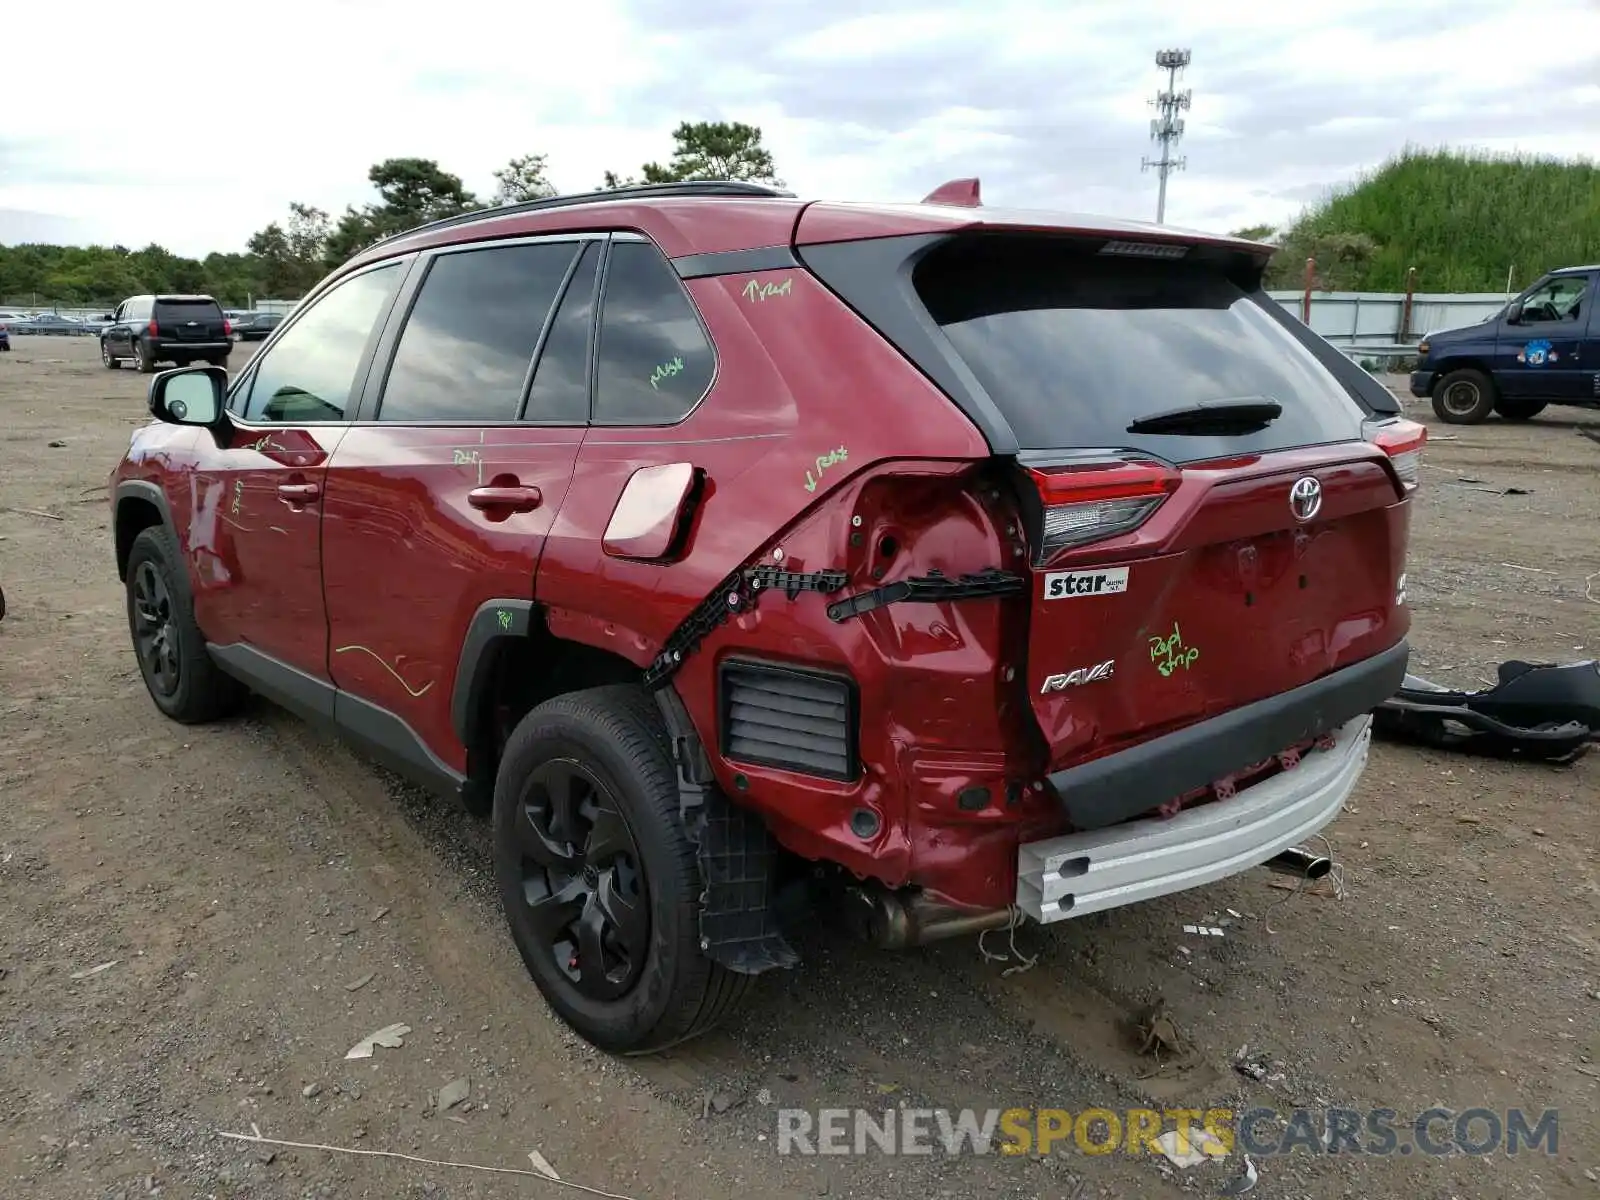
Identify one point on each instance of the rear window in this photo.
(188, 310)
(1074, 346)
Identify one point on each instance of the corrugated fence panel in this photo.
(1375, 316)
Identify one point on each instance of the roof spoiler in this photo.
(963, 193)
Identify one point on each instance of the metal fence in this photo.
(1375, 318)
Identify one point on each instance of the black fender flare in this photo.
(496, 620)
(141, 489)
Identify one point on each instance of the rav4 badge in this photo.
(1094, 674)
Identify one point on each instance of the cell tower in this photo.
(1167, 127)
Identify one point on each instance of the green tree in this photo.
(270, 247)
(1255, 233)
(1343, 260)
(523, 179)
(308, 232)
(411, 192)
(289, 261)
(709, 150)
(415, 190)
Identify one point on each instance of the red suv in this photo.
(958, 562)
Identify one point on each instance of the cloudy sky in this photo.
(107, 136)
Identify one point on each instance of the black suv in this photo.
(175, 329)
(255, 326)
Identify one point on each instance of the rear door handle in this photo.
(505, 499)
(299, 493)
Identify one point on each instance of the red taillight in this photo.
(1091, 503)
(154, 329)
(1402, 441)
(227, 327)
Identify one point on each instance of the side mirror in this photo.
(1514, 313)
(190, 396)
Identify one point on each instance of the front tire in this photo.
(1518, 410)
(178, 672)
(1464, 397)
(598, 877)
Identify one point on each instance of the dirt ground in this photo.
(243, 878)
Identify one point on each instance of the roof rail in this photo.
(693, 187)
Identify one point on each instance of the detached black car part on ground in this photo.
(1541, 711)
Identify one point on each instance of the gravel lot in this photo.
(244, 877)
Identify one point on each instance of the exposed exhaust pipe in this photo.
(1302, 864)
(896, 920)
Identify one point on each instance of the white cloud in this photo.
(1046, 101)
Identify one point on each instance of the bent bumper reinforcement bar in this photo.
(1088, 872)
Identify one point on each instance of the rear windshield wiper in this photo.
(1217, 416)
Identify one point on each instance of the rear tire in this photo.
(218, 360)
(142, 356)
(1517, 409)
(1464, 397)
(598, 877)
(111, 362)
(178, 672)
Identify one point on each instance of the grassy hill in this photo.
(1462, 219)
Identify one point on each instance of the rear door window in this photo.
(468, 343)
(654, 361)
(560, 392)
(1074, 347)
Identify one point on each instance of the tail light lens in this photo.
(1402, 441)
(227, 327)
(1090, 503)
(154, 329)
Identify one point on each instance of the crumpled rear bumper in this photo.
(1087, 872)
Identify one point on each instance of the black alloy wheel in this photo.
(155, 639)
(583, 882)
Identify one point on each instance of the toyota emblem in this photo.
(1305, 498)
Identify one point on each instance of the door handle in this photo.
(299, 493)
(517, 498)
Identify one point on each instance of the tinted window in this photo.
(467, 345)
(654, 362)
(309, 373)
(188, 310)
(560, 392)
(1073, 347)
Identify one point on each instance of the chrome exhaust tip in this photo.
(1302, 864)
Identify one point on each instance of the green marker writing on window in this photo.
(665, 371)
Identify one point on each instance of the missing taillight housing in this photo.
(1083, 504)
(1402, 441)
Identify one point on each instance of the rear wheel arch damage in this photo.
(599, 876)
(515, 672)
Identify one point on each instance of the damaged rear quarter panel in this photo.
(812, 420)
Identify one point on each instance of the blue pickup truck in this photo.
(1541, 348)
